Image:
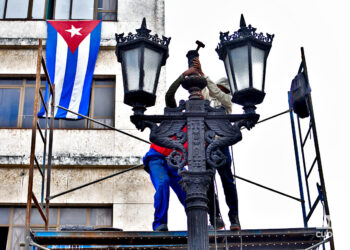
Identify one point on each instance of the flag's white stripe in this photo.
(48, 105)
(83, 59)
(60, 67)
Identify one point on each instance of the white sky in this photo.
(266, 154)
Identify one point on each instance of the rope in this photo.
(214, 194)
(234, 173)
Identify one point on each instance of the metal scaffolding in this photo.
(45, 171)
(298, 236)
(43, 168)
(304, 174)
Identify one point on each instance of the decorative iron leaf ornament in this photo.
(142, 33)
(220, 134)
(163, 135)
(243, 33)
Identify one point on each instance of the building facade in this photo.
(82, 151)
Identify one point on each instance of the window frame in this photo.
(88, 125)
(96, 11)
(29, 12)
(53, 8)
(92, 101)
(54, 225)
(22, 87)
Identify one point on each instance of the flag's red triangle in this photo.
(74, 32)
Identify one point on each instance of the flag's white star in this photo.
(74, 31)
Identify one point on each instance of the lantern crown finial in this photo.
(242, 22)
(142, 55)
(244, 32)
(143, 31)
(142, 34)
(244, 53)
(144, 23)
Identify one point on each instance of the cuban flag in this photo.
(71, 53)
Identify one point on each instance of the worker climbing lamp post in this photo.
(208, 129)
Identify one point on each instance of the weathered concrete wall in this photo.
(19, 58)
(74, 147)
(85, 154)
(130, 14)
(131, 193)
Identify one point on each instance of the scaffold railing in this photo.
(43, 169)
(304, 173)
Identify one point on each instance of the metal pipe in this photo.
(319, 244)
(318, 154)
(48, 179)
(273, 190)
(313, 208)
(266, 119)
(300, 180)
(39, 208)
(105, 125)
(93, 182)
(307, 135)
(38, 166)
(47, 75)
(43, 100)
(40, 132)
(271, 117)
(312, 167)
(32, 243)
(44, 159)
(304, 164)
(32, 152)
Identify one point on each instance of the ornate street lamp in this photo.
(244, 54)
(208, 129)
(142, 56)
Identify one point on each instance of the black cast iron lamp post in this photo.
(244, 54)
(208, 129)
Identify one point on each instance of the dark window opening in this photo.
(3, 237)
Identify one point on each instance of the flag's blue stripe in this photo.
(51, 47)
(68, 82)
(95, 38)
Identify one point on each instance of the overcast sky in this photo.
(266, 154)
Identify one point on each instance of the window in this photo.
(16, 102)
(17, 99)
(106, 10)
(59, 9)
(85, 9)
(22, 9)
(101, 107)
(3, 237)
(102, 103)
(12, 221)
